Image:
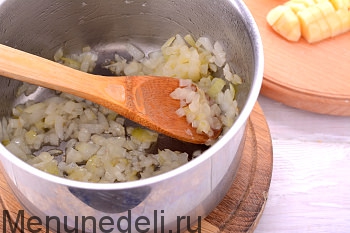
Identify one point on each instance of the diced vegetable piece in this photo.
(295, 6)
(275, 14)
(306, 18)
(287, 25)
(325, 29)
(312, 33)
(326, 8)
(344, 16)
(144, 135)
(216, 87)
(318, 19)
(335, 24)
(307, 3)
(339, 4)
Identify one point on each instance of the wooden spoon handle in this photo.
(142, 99)
(42, 72)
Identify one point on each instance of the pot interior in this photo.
(41, 27)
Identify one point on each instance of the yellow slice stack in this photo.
(314, 20)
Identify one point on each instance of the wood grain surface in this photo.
(241, 208)
(312, 77)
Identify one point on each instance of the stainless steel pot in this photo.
(187, 193)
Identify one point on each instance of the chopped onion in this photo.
(92, 142)
(136, 53)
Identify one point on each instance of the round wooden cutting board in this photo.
(312, 77)
(241, 208)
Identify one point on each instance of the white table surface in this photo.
(310, 187)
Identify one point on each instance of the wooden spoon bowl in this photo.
(143, 99)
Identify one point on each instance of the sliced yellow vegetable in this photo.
(295, 6)
(325, 29)
(339, 4)
(330, 17)
(307, 3)
(342, 17)
(275, 14)
(335, 24)
(306, 18)
(315, 11)
(312, 27)
(312, 33)
(314, 20)
(287, 25)
(326, 8)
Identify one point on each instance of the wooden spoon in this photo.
(143, 99)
